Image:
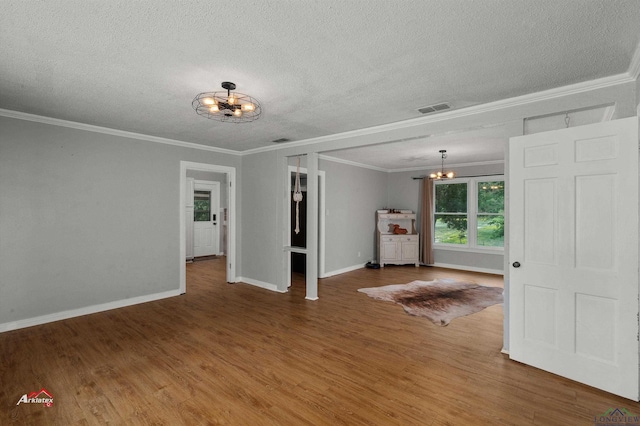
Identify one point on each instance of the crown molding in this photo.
(530, 98)
(108, 131)
(634, 66)
(630, 76)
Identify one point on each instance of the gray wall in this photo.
(261, 243)
(353, 194)
(86, 218)
(89, 218)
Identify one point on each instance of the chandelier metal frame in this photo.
(230, 107)
(442, 174)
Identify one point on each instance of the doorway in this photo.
(298, 227)
(298, 242)
(230, 192)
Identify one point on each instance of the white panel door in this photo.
(206, 224)
(573, 215)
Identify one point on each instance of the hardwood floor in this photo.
(238, 355)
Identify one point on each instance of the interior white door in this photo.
(573, 215)
(206, 223)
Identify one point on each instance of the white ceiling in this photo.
(317, 67)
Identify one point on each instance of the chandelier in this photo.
(227, 106)
(442, 174)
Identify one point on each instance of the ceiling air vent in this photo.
(435, 108)
(281, 140)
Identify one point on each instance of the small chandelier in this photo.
(442, 174)
(227, 106)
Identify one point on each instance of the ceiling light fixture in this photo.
(442, 174)
(227, 106)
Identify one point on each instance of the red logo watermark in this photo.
(40, 397)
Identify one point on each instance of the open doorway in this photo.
(298, 225)
(228, 174)
(298, 241)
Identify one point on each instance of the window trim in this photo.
(471, 213)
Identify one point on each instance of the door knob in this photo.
(516, 264)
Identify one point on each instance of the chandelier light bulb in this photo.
(227, 106)
(442, 174)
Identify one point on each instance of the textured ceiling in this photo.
(473, 146)
(317, 67)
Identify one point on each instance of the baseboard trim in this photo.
(342, 271)
(261, 284)
(87, 310)
(469, 268)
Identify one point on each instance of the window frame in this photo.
(472, 214)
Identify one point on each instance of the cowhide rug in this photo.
(440, 300)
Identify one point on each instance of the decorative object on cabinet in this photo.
(398, 230)
(397, 240)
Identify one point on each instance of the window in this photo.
(469, 213)
(490, 214)
(201, 206)
(451, 213)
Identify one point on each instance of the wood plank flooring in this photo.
(235, 354)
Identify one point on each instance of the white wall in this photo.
(88, 219)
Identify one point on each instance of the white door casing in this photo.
(189, 219)
(573, 203)
(230, 189)
(206, 238)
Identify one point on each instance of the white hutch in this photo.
(397, 248)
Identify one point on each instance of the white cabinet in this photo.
(396, 247)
